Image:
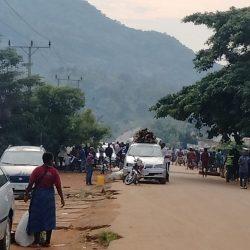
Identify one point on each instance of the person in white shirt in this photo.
(167, 154)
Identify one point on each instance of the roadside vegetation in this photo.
(35, 113)
(221, 100)
(106, 237)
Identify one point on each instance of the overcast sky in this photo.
(166, 15)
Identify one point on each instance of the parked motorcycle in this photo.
(74, 163)
(135, 174)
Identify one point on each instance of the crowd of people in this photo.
(231, 164)
(85, 158)
(46, 177)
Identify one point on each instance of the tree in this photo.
(34, 113)
(174, 133)
(53, 109)
(221, 99)
(14, 94)
(86, 129)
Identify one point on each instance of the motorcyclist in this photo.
(180, 157)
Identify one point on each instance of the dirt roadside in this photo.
(88, 212)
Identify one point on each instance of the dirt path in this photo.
(86, 213)
(190, 213)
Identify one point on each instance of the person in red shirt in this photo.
(191, 159)
(205, 162)
(42, 210)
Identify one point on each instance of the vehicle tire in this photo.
(163, 181)
(6, 241)
(129, 179)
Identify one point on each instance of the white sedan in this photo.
(6, 211)
(18, 163)
(152, 158)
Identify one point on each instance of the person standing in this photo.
(90, 166)
(109, 151)
(82, 157)
(204, 162)
(219, 161)
(42, 210)
(167, 158)
(229, 165)
(62, 156)
(191, 159)
(117, 147)
(198, 157)
(244, 163)
(235, 172)
(101, 155)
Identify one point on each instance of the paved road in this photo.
(190, 213)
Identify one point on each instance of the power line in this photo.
(11, 28)
(29, 50)
(61, 60)
(27, 23)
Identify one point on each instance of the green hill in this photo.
(125, 70)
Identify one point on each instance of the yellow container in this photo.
(100, 180)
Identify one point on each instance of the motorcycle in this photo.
(74, 163)
(180, 160)
(136, 173)
(104, 165)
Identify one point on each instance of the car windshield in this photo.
(145, 151)
(33, 158)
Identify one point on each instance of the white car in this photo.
(152, 158)
(6, 211)
(18, 163)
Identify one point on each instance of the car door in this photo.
(5, 202)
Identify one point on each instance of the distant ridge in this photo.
(125, 70)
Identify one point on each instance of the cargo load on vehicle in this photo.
(145, 136)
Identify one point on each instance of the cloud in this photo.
(166, 15)
(152, 9)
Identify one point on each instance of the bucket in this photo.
(100, 180)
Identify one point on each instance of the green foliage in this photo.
(174, 133)
(53, 111)
(221, 99)
(231, 38)
(105, 238)
(86, 129)
(34, 113)
(14, 95)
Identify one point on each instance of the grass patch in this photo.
(107, 236)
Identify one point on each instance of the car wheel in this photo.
(163, 181)
(5, 242)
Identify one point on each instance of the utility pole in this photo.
(68, 79)
(77, 81)
(30, 50)
(61, 79)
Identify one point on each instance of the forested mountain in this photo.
(125, 70)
